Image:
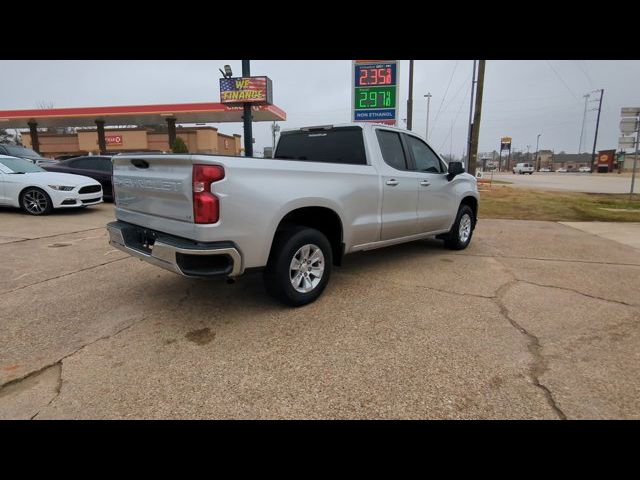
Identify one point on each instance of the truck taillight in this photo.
(206, 206)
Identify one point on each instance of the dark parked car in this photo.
(98, 167)
(24, 152)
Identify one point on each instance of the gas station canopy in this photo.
(136, 115)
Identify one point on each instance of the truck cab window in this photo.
(425, 159)
(392, 150)
(335, 145)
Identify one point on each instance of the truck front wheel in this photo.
(299, 266)
(460, 234)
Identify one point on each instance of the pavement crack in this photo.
(57, 390)
(63, 275)
(50, 236)
(619, 302)
(64, 357)
(548, 259)
(539, 365)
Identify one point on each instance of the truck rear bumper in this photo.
(178, 255)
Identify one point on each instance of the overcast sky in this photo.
(521, 98)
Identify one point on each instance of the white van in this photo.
(523, 168)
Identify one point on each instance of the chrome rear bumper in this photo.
(163, 252)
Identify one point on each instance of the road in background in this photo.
(574, 182)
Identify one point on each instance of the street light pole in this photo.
(537, 144)
(584, 117)
(428, 97)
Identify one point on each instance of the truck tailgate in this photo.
(155, 185)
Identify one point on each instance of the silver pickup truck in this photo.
(328, 191)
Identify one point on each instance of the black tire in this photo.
(453, 239)
(45, 205)
(277, 279)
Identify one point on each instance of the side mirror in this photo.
(455, 168)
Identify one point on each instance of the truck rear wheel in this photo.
(299, 266)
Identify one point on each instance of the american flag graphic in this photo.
(244, 90)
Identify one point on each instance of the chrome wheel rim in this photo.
(34, 201)
(306, 268)
(465, 228)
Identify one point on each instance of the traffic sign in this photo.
(630, 112)
(626, 142)
(629, 125)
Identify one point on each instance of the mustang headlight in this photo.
(62, 188)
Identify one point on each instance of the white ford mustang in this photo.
(38, 192)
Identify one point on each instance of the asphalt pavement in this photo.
(534, 320)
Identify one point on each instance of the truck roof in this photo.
(363, 125)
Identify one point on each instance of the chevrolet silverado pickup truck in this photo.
(328, 191)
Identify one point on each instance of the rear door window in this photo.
(335, 145)
(392, 150)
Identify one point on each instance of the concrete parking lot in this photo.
(534, 320)
(574, 182)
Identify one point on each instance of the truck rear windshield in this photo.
(337, 145)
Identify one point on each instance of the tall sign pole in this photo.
(505, 144)
(630, 129)
(246, 117)
(244, 92)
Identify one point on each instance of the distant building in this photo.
(571, 161)
(544, 159)
(121, 140)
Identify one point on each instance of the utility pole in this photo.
(473, 82)
(595, 138)
(410, 99)
(246, 117)
(475, 134)
(428, 97)
(584, 117)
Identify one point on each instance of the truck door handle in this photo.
(393, 182)
(425, 183)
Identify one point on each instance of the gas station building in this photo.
(100, 129)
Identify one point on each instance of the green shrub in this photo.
(179, 146)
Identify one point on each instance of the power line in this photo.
(583, 70)
(455, 96)
(454, 121)
(445, 95)
(563, 82)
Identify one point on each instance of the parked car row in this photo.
(25, 185)
(523, 168)
(97, 167)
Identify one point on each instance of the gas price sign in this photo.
(375, 84)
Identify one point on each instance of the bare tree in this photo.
(45, 105)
